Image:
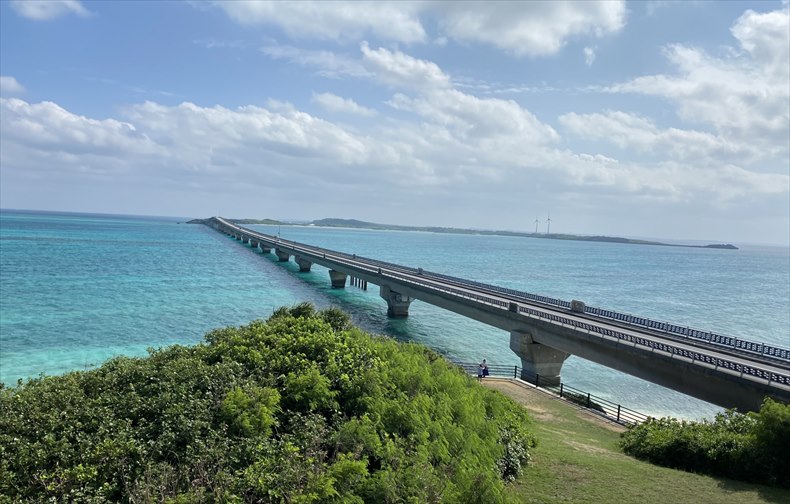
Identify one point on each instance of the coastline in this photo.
(357, 224)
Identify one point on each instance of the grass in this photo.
(577, 460)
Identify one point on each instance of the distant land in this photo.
(358, 224)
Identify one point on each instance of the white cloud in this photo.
(535, 28)
(340, 21)
(632, 132)
(745, 95)
(329, 64)
(766, 37)
(45, 10)
(401, 70)
(502, 126)
(589, 55)
(529, 28)
(49, 127)
(10, 86)
(334, 103)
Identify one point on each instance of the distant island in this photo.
(358, 224)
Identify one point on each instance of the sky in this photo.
(660, 119)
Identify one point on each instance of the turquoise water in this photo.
(78, 289)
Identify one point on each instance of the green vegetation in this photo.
(579, 460)
(300, 408)
(752, 447)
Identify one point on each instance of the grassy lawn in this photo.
(577, 460)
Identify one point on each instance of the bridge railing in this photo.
(688, 332)
(664, 347)
(598, 405)
(666, 327)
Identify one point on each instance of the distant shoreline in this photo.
(357, 224)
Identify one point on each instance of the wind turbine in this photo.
(536, 225)
(548, 225)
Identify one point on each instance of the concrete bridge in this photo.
(727, 371)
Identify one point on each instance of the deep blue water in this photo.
(76, 289)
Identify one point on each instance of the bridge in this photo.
(724, 370)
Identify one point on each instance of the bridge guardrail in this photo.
(595, 404)
(707, 336)
(590, 328)
(665, 347)
(710, 337)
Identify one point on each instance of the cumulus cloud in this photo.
(744, 96)
(529, 28)
(536, 28)
(492, 123)
(401, 70)
(45, 10)
(333, 103)
(632, 132)
(49, 127)
(10, 86)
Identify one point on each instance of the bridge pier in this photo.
(537, 359)
(245, 239)
(265, 249)
(238, 236)
(254, 244)
(282, 255)
(304, 264)
(397, 303)
(338, 279)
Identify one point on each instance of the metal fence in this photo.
(598, 405)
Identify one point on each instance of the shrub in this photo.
(751, 447)
(300, 408)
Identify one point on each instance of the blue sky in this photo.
(655, 119)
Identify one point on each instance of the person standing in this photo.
(485, 368)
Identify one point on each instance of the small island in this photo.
(358, 224)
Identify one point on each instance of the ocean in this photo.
(77, 289)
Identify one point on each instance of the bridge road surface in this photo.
(713, 372)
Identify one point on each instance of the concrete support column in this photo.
(282, 256)
(397, 303)
(304, 264)
(265, 249)
(537, 359)
(245, 239)
(254, 244)
(338, 279)
(238, 236)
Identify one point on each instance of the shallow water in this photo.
(78, 289)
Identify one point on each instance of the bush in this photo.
(751, 447)
(300, 408)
